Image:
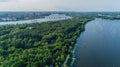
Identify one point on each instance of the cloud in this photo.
(27, 5)
(5, 0)
(58, 5)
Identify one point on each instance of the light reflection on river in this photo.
(30, 21)
(99, 44)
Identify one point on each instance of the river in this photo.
(99, 44)
(28, 21)
(33, 21)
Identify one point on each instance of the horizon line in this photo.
(52, 11)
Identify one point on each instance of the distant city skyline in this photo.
(59, 5)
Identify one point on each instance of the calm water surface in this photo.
(30, 21)
(99, 44)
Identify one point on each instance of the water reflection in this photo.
(99, 44)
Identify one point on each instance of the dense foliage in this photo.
(39, 44)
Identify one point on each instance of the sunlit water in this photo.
(30, 21)
(99, 44)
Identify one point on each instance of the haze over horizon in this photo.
(59, 5)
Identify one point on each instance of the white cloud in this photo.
(58, 5)
(27, 5)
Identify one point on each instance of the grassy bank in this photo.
(71, 59)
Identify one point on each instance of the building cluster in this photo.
(57, 17)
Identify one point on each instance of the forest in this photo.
(39, 44)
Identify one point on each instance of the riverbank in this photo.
(110, 17)
(71, 57)
(70, 61)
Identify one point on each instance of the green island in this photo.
(40, 44)
(47, 44)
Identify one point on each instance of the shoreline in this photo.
(70, 61)
(73, 50)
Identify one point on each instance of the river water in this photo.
(31, 21)
(99, 44)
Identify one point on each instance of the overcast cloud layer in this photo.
(59, 5)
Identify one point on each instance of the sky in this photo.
(59, 5)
